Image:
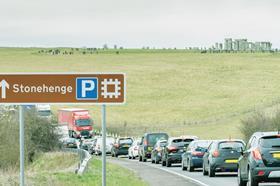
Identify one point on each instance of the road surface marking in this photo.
(178, 174)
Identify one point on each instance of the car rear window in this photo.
(202, 144)
(231, 145)
(126, 141)
(153, 138)
(182, 142)
(270, 142)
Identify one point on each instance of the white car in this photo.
(133, 150)
(98, 146)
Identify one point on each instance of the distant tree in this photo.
(115, 47)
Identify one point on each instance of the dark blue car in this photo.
(193, 156)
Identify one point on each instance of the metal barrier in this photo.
(84, 159)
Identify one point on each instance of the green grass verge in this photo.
(54, 170)
(116, 176)
(170, 90)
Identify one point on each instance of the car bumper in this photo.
(196, 162)
(122, 152)
(175, 158)
(271, 174)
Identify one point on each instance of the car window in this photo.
(153, 138)
(231, 145)
(270, 142)
(126, 141)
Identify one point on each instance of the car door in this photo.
(244, 161)
(209, 153)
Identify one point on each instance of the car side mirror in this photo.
(185, 149)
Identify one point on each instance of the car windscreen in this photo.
(126, 141)
(153, 138)
(44, 112)
(270, 142)
(83, 122)
(231, 145)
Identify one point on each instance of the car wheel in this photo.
(251, 180)
(129, 157)
(168, 163)
(116, 155)
(240, 181)
(144, 159)
(140, 158)
(133, 157)
(190, 168)
(211, 171)
(204, 171)
(163, 163)
(183, 166)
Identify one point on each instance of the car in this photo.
(222, 156)
(86, 143)
(260, 160)
(172, 152)
(121, 146)
(69, 143)
(157, 151)
(193, 156)
(99, 145)
(147, 143)
(91, 149)
(133, 150)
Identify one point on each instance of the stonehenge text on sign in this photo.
(93, 88)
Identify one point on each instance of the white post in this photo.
(21, 143)
(103, 145)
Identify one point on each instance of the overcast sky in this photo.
(137, 23)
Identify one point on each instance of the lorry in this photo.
(78, 122)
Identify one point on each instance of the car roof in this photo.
(264, 134)
(228, 140)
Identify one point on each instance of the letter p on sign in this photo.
(86, 88)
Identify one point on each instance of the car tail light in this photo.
(171, 149)
(216, 153)
(256, 154)
(261, 173)
(197, 153)
(145, 142)
(116, 145)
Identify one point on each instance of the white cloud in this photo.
(135, 23)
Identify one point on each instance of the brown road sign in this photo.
(95, 88)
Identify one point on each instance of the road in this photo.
(156, 175)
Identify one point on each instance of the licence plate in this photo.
(274, 174)
(231, 161)
(276, 155)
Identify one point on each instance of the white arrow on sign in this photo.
(4, 84)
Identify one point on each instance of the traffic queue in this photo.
(254, 163)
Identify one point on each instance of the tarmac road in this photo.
(157, 175)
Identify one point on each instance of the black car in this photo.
(172, 152)
(193, 157)
(222, 156)
(147, 143)
(260, 161)
(157, 151)
(121, 146)
(69, 143)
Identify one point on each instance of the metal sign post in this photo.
(21, 143)
(104, 145)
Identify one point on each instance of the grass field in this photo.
(171, 90)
